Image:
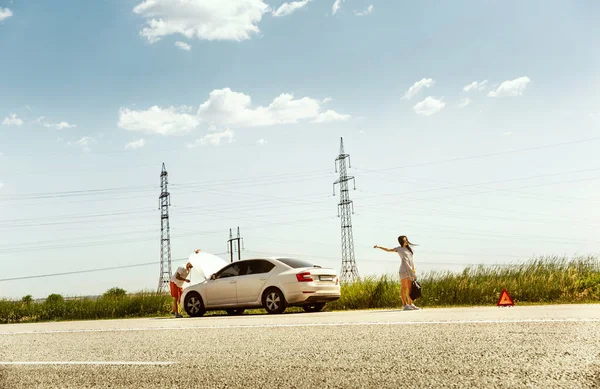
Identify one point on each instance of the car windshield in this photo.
(296, 263)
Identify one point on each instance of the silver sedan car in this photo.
(271, 283)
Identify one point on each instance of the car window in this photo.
(259, 266)
(296, 263)
(230, 271)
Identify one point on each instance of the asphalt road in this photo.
(517, 347)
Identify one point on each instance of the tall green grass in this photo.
(543, 280)
(55, 308)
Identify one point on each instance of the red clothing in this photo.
(175, 290)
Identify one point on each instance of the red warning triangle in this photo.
(505, 299)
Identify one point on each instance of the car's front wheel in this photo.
(234, 312)
(193, 305)
(274, 301)
(317, 307)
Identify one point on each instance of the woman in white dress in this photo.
(407, 270)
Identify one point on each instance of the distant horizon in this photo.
(472, 129)
(430, 272)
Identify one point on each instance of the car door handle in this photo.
(233, 282)
(263, 279)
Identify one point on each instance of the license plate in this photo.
(326, 278)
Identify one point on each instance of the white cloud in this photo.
(417, 86)
(288, 8)
(59, 126)
(183, 45)
(475, 86)
(429, 106)
(464, 102)
(261, 142)
(330, 116)
(511, 88)
(1, 185)
(507, 133)
(234, 20)
(366, 12)
(63, 125)
(5, 13)
(225, 107)
(327, 100)
(157, 120)
(12, 120)
(336, 6)
(136, 144)
(214, 138)
(84, 143)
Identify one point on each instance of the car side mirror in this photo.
(213, 277)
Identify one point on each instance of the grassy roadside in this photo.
(540, 281)
(549, 280)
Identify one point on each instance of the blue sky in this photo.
(245, 102)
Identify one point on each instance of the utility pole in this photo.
(349, 270)
(164, 201)
(230, 249)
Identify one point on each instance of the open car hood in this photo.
(205, 265)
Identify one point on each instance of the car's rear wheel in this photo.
(317, 307)
(274, 301)
(193, 305)
(234, 312)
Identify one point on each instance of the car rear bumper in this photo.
(300, 298)
(322, 298)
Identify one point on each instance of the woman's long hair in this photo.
(409, 245)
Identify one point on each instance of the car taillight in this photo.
(337, 280)
(304, 277)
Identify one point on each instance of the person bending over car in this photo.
(176, 285)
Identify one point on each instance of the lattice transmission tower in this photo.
(349, 272)
(231, 248)
(164, 201)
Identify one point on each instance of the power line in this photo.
(73, 243)
(417, 263)
(79, 216)
(500, 182)
(266, 253)
(481, 192)
(90, 270)
(279, 214)
(80, 192)
(254, 217)
(268, 203)
(458, 159)
(439, 212)
(78, 272)
(132, 240)
(278, 176)
(486, 208)
(526, 195)
(149, 150)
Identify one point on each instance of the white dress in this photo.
(406, 263)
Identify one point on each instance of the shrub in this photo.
(115, 293)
